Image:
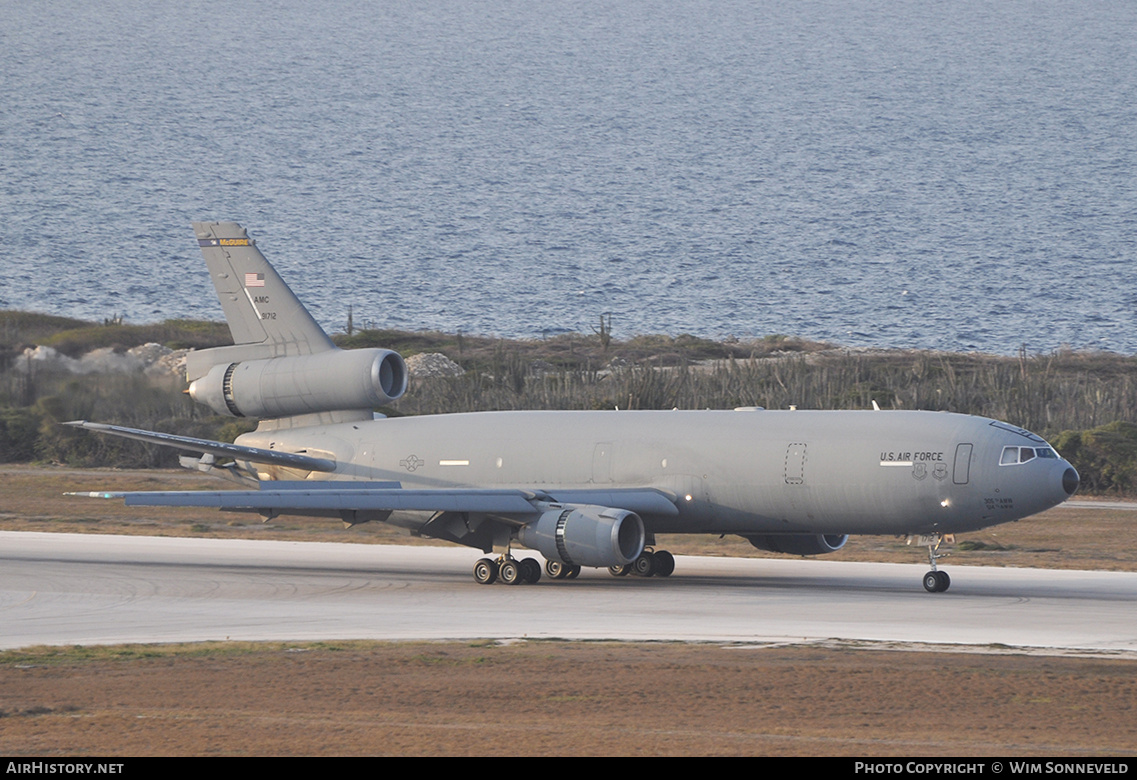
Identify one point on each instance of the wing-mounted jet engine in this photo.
(586, 536)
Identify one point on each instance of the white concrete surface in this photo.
(96, 589)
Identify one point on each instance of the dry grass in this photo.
(554, 698)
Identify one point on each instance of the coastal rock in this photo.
(433, 364)
(151, 358)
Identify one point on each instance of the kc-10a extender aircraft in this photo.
(582, 488)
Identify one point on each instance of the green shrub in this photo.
(1105, 457)
(19, 434)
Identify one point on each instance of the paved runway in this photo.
(96, 589)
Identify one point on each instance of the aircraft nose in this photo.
(1070, 480)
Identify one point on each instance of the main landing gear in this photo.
(561, 571)
(508, 570)
(935, 581)
(527, 571)
(659, 563)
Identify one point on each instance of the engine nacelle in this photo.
(335, 380)
(798, 544)
(586, 536)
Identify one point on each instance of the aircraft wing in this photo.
(253, 454)
(345, 497)
(285, 497)
(323, 496)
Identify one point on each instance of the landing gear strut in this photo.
(935, 581)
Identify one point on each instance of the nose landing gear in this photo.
(935, 581)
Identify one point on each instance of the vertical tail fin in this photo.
(258, 305)
(265, 317)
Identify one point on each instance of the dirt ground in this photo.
(564, 699)
(555, 698)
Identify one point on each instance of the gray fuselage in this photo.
(748, 471)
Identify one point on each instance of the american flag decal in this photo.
(254, 280)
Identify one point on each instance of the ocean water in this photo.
(898, 173)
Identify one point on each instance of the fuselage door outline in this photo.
(795, 463)
(962, 471)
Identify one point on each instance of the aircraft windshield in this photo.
(1013, 455)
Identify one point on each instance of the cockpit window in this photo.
(1013, 455)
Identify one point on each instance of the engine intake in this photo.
(798, 544)
(331, 381)
(586, 535)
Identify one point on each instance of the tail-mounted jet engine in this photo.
(798, 544)
(586, 536)
(330, 381)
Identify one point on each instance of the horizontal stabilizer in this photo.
(219, 448)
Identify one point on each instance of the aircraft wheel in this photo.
(664, 563)
(509, 572)
(619, 571)
(485, 572)
(644, 566)
(574, 572)
(556, 570)
(936, 581)
(530, 571)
